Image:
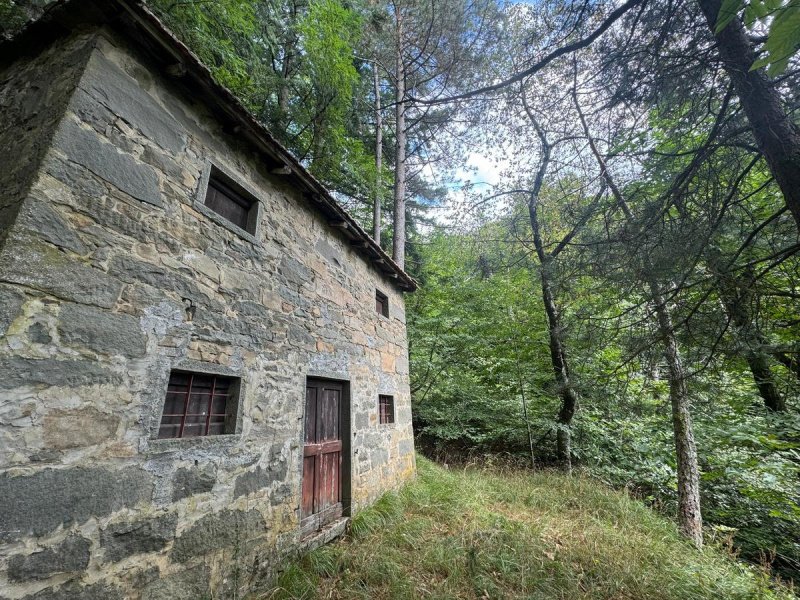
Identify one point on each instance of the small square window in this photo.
(199, 404)
(232, 202)
(381, 303)
(385, 409)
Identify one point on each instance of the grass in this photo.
(479, 534)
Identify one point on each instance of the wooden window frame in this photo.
(386, 412)
(229, 414)
(381, 303)
(229, 184)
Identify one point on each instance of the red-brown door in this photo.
(322, 455)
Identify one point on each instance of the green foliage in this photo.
(293, 65)
(474, 328)
(484, 534)
(329, 33)
(479, 338)
(782, 17)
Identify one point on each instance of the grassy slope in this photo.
(483, 535)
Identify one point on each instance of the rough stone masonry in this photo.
(113, 274)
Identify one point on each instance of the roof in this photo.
(146, 31)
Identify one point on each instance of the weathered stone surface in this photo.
(11, 301)
(259, 478)
(43, 267)
(84, 147)
(53, 497)
(71, 555)
(124, 96)
(328, 251)
(191, 481)
(190, 584)
(121, 540)
(38, 334)
(17, 372)
(101, 331)
(75, 591)
(406, 446)
(78, 427)
(132, 270)
(294, 272)
(39, 217)
(280, 494)
(219, 530)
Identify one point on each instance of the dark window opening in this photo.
(231, 202)
(385, 409)
(381, 304)
(199, 404)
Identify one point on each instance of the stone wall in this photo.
(107, 251)
(33, 96)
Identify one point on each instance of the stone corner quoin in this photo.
(117, 293)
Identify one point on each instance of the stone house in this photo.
(203, 362)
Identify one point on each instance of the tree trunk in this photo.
(736, 297)
(558, 356)
(790, 362)
(688, 473)
(777, 136)
(689, 516)
(765, 382)
(376, 208)
(399, 241)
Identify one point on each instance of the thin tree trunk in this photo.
(689, 515)
(735, 299)
(791, 363)
(399, 241)
(376, 208)
(558, 355)
(765, 381)
(778, 137)
(524, 398)
(690, 518)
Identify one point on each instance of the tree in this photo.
(778, 137)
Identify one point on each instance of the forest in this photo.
(601, 203)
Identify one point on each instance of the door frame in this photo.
(345, 430)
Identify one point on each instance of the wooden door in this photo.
(322, 455)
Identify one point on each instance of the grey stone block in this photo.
(189, 584)
(191, 481)
(70, 556)
(39, 217)
(85, 147)
(259, 478)
(293, 271)
(216, 531)
(328, 251)
(38, 334)
(11, 301)
(406, 447)
(43, 267)
(75, 591)
(124, 96)
(62, 496)
(17, 372)
(101, 331)
(121, 540)
(280, 494)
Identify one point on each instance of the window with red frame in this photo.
(198, 404)
(385, 409)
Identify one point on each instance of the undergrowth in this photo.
(480, 534)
